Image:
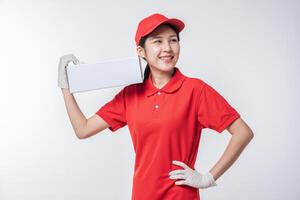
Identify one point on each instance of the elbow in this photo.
(80, 135)
(248, 133)
(251, 135)
(81, 132)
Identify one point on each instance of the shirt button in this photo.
(158, 93)
(156, 106)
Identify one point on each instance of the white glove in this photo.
(62, 81)
(192, 177)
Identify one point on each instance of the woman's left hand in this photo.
(192, 177)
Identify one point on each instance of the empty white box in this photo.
(109, 73)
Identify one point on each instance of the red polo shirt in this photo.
(165, 125)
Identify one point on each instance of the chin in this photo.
(166, 68)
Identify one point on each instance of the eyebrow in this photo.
(157, 36)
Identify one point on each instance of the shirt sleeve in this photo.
(214, 111)
(114, 111)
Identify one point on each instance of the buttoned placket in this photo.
(158, 101)
(158, 97)
(157, 105)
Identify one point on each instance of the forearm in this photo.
(78, 120)
(233, 150)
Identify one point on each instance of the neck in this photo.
(159, 78)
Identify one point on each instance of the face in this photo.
(161, 49)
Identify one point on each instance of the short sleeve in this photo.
(114, 111)
(214, 111)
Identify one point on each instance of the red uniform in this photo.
(165, 125)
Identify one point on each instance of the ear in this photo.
(140, 51)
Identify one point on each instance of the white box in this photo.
(109, 73)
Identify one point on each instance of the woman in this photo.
(165, 115)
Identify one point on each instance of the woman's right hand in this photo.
(62, 81)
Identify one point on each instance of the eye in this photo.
(156, 41)
(174, 40)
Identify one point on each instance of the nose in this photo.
(167, 46)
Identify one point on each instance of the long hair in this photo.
(142, 44)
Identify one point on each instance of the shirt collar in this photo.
(171, 86)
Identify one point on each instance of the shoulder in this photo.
(200, 87)
(132, 89)
(195, 83)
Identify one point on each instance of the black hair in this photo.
(142, 44)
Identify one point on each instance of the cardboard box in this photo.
(109, 73)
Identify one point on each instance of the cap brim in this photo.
(173, 21)
(177, 23)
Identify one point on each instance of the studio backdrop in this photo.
(247, 50)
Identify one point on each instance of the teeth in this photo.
(167, 58)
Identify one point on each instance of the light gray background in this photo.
(246, 50)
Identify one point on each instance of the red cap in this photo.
(148, 24)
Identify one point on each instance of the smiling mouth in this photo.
(166, 58)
